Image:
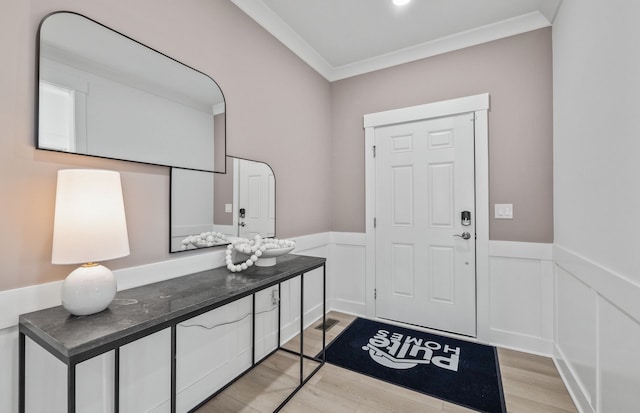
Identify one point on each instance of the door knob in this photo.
(464, 235)
(242, 224)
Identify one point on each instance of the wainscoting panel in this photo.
(577, 339)
(521, 296)
(618, 360)
(347, 269)
(521, 309)
(598, 322)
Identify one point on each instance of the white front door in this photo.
(255, 200)
(425, 266)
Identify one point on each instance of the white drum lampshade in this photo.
(89, 226)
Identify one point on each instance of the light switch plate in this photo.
(504, 211)
(228, 208)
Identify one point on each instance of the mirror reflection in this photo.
(210, 209)
(104, 94)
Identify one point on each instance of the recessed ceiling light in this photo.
(400, 2)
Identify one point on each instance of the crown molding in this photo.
(484, 34)
(270, 21)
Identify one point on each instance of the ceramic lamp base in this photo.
(89, 289)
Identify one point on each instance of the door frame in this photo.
(478, 104)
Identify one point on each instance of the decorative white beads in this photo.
(206, 239)
(254, 248)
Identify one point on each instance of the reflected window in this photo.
(57, 117)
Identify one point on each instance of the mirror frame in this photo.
(235, 207)
(37, 96)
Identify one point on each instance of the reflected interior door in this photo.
(256, 195)
(425, 269)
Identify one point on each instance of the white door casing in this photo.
(425, 273)
(479, 106)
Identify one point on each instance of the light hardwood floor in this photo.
(531, 384)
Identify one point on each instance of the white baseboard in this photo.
(522, 342)
(568, 378)
(292, 328)
(348, 307)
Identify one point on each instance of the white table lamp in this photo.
(89, 226)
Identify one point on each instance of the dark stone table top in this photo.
(140, 311)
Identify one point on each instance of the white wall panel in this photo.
(515, 284)
(346, 273)
(598, 334)
(618, 360)
(577, 334)
(521, 295)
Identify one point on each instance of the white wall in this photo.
(596, 67)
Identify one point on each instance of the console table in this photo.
(141, 311)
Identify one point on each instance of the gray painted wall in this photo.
(516, 72)
(279, 111)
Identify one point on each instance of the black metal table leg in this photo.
(253, 329)
(301, 328)
(324, 310)
(21, 371)
(279, 312)
(174, 392)
(71, 388)
(116, 380)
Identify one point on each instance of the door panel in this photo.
(402, 256)
(425, 275)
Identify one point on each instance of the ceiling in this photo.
(343, 38)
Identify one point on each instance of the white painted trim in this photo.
(522, 342)
(369, 213)
(270, 21)
(310, 242)
(348, 238)
(480, 105)
(573, 386)
(449, 107)
(347, 307)
(483, 309)
(24, 300)
(615, 288)
(526, 250)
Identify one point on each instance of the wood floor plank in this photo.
(531, 385)
(375, 393)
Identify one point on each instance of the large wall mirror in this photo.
(104, 94)
(210, 209)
